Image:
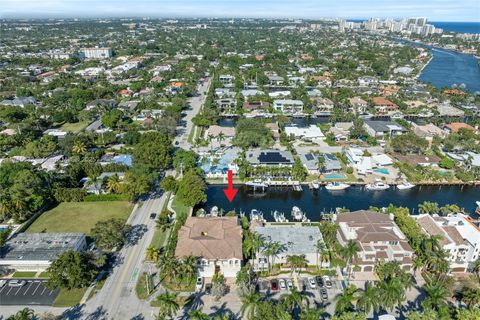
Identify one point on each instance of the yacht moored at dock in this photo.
(334, 186)
(377, 185)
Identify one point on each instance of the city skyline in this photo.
(435, 10)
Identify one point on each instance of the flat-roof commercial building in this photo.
(36, 251)
(293, 240)
(97, 53)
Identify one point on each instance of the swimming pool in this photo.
(381, 171)
(335, 176)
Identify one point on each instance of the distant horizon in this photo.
(434, 10)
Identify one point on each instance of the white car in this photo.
(199, 284)
(16, 283)
(312, 283)
(289, 284)
(327, 281)
(282, 284)
(2, 283)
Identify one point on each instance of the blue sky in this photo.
(435, 10)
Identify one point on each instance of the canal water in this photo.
(354, 198)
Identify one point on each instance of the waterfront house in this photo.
(384, 106)
(323, 106)
(378, 238)
(454, 127)
(414, 160)
(310, 162)
(218, 164)
(331, 163)
(459, 238)
(255, 105)
(310, 133)
(216, 130)
(288, 106)
(216, 242)
(227, 105)
(428, 131)
(293, 240)
(382, 129)
(358, 105)
(365, 164)
(270, 157)
(341, 131)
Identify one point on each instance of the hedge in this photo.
(106, 197)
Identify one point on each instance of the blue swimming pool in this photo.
(381, 171)
(335, 176)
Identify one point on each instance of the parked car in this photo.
(199, 284)
(289, 284)
(327, 281)
(208, 288)
(153, 216)
(312, 283)
(323, 293)
(319, 281)
(274, 284)
(2, 283)
(16, 283)
(282, 284)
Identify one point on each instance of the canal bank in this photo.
(314, 202)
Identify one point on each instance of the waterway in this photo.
(313, 202)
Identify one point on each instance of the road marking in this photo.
(134, 273)
(20, 288)
(33, 293)
(8, 292)
(44, 288)
(31, 283)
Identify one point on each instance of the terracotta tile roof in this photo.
(429, 226)
(456, 126)
(210, 238)
(454, 234)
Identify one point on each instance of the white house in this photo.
(460, 238)
(309, 133)
(288, 106)
(365, 164)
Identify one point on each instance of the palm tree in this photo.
(272, 249)
(311, 313)
(349, 251)
(250, 303)
(294, 300)
(152, 254)
(168, 305)
(418, 264)
(197, 314)
(79, 147)
(346, 299)
(476, 268)
(24, 314)
(368, 299)
(220, 137)
(296, 262)
(114, 184)
(392, 293)
(436, 294)
(471, 296)
(428, 207)
(322, 252)
(253, 242)
(190, 266)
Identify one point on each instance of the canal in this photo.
(354, 198)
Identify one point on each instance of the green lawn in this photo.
(158, 238)
(74, 127)
(24, 274)
(79, 216)
(141, 287)
(69, 298)
(180, 208)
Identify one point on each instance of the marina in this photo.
(315, 202)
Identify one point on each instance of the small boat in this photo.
(214, 211)
(256, 215)
(377, 185)
(333, 186)
(315, 185)
(297, 214)
(405, 185)
(279, 216)
(477, 210)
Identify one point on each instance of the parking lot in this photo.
(32, 292)
(312, 292)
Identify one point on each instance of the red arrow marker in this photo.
(230, 192)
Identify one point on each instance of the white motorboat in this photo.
(315, 184)
(405, 185)
(214, 211)
(332, 186)
(377, 185)
(256, 215)
(297, 214)
(279, 216)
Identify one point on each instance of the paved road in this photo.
(186, 126)
(117, 299)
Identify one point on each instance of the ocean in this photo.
(447, 26)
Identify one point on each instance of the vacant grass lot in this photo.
(79, 216)
(24, 274)
(69, 298)
(74, 127)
